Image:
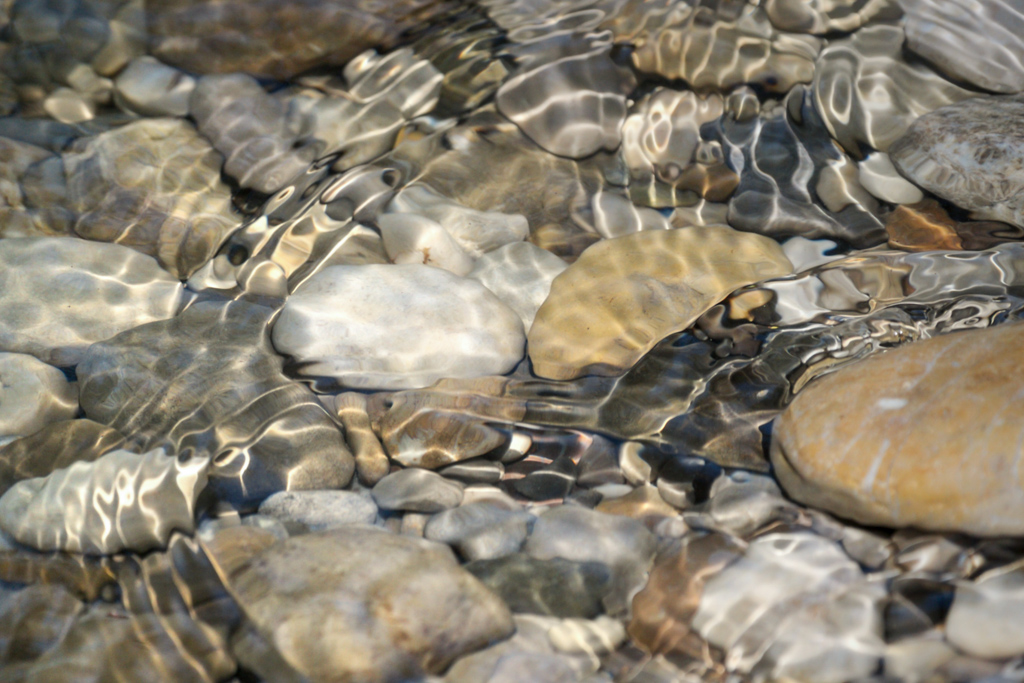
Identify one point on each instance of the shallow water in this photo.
(547, 341)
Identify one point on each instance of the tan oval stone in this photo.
(625, 294)
(928, 435)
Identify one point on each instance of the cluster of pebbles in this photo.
(558, 341)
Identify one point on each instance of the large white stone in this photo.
(59, 295)
(397, 327)
(33, 394)
(520, 274)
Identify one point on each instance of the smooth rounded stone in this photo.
(120, 501)
(740, 503)
(624, 295)
(273, 40)
(594, 637)
(826, 16)
(411, 239)
(20, 215)
(912, 659)
(302, 511)
(397, 327)
(970, 154)
(984, 620)
(50, 286)
(475, 232)
(878, 176)
(371, 461)
(642, 503)
(358, 603)
(635, 469)
(417, 490)
(553, 587)
(553, 481)
(153, 185)
(149, 87)
(261, 147)
(869, 94)
(981, 44)
(69, 106)
(663, 611)
(572, 105)
(33, 620)
(794, 606)
(208, 382)
(927, 403)
(520, 274)
(663, 147)
(491, 495)
(625, 545)
(599, 464)
(474, 471)
(924, 226)
(59, 445)
(479, 531)
(33, 395)
(529, 656)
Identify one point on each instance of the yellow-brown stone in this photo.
(929, 435)
(921, 227)
(623, 295)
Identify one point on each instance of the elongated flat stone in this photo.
(624, 295)
(927, 435)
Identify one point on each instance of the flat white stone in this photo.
(878, 176)
(397, 327)
(33, 394)
(985, 619)
(149, 87)
(409, 238)
(520, 274)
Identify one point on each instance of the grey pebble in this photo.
(304, 511)
(417, 490)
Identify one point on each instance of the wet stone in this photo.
(553, 481)
(33, 620)
(520, 274)
(150, 88)
(554, 587)
(874, 475)
(417, 490)
(983, 620)
(922, 227)
(474, 471)
(302, 511)
(479, 531)
(363, 604)
(33, 395)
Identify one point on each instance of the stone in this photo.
(153, 185)
(33, 620)
(208, 382)
(907, 469)
(793, 606)
(984, 619)
(663, 611)
(869, 94)
(58, 446)
(641, 503)
(261, 147)
(969, 153)
(395, 327)
(150, 88)
(417, 490)
(555, 587)
(878, 176)
(21, 172)
(552, 481)
(924, 226)
(50, 286)
(120, 501)
(479, 531)
(475, 471)
(740, 503)
(593, 637)
(520, 274)
(371, 461)
(271, 40)
(914, 658)
(69, 106)
(409, 239)
(358, 603)
(302, 511)
(620, 543)
(475, 232)
(33, 395)
(826, 16)
(979, 44)
(593, 322)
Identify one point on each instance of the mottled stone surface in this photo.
(927, 435)
(364, 604)
(121, 501)
(554, 587)
(417, 490)
(479, 531)
(319, 510)
(980, 43)
(824, 16)
(969, 153)
(625, 294)
(33, 394)
(49, 286)
(153, 185)
(208, 382)
(393, 327)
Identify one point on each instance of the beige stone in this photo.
(625, 294)
(928, 435)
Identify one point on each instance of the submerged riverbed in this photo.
(539, 341)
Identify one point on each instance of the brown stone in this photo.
(921, 227)
(927, 435)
